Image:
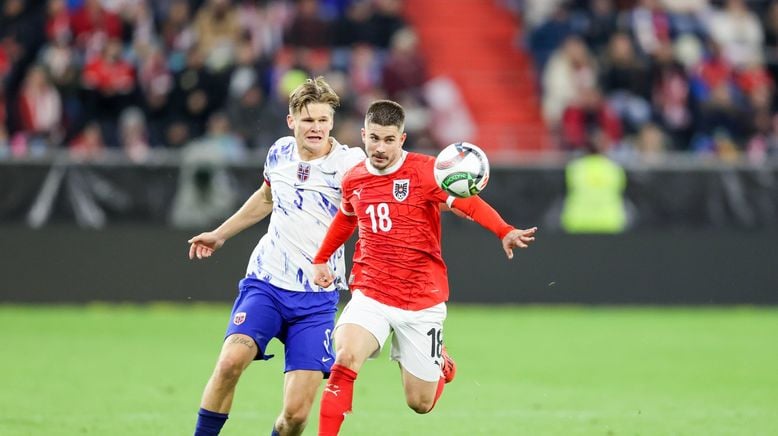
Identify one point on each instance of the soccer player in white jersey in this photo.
(277, 298)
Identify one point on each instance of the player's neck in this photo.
(388, 170)
(307, 155)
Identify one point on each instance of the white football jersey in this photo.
(306, 196)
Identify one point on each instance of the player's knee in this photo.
(229, 367)
(347, 358)
(295, 418)
(420, 405)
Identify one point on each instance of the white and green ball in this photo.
(462, 169)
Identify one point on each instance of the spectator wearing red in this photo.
(57, 20)
(109, 74)
(404, 70)
(590, 119)
(93, 21)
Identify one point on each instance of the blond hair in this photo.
(315, 90)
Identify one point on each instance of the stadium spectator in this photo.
(670, 97)
(88, 145)
(40, 111)
(308, 29)
(278, 297)
(739, 33)
(589, 120)
(650, 25)
(404, 70)
(399, 277)
(93, 26)
(626, 83)
(721, 125)
(544, 39)
(134, 135)
(600, 21)
(570, 70)
(386, 20)
(57, 20)
(217, 28)
(353, 27)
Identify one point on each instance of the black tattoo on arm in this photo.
(243, 341)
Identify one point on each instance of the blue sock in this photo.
(209, 423)
(275, 432)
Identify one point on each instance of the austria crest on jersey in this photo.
(303, 171)
(400, 190)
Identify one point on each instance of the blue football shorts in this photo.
(302, 321)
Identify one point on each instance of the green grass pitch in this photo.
(132, 370)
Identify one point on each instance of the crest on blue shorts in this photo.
(239, 318)
(401, 187)
(303, 171)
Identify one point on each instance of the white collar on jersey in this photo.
(395, 166)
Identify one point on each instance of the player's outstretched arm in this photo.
(481, 212)
(256, 208)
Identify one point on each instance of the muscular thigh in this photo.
(418, 342)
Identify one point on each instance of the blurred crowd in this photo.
(639, 77)
(134, 75)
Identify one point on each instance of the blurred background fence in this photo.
(112, 231)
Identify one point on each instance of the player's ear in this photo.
(402, 139)
(290, 121)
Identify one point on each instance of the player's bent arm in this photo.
(341, 228)
(257, 207)
(254, 210)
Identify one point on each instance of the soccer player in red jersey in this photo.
(398, 279)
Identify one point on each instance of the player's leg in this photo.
(253, 322)
(361, 330)
(299, 394)
(418, 346)
(309, 355)
(236, 354)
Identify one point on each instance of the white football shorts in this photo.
(418, 334)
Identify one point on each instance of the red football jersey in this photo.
(397, 260)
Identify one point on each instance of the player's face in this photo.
(312, 128)
(383, 144)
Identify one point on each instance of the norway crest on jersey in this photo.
(400, 190)
(303, 171)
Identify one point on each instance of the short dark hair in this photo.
(385, 113)
(312, 91)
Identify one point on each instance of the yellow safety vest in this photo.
(594, 202)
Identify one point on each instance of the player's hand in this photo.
(518, 238)
(204, 244)
(322, 276)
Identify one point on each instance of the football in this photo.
(462, 169)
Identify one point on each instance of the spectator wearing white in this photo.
(570, 70)
(739, 33)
